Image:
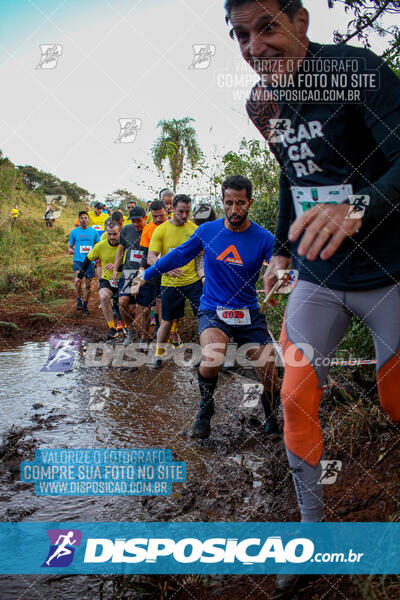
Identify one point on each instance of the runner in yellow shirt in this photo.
(178, 285)
(119, 218)
(151, 292)
(97, 217)
(97, 220)
(167, 196)
(14, 215)
(106, 251)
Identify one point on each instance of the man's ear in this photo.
(301, 21)
(251, 202)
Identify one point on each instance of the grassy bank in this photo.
(33, 258)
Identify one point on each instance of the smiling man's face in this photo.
(267, 38)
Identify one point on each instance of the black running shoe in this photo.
(157, 363)
(85, 310)
(201, 428)
(79, 305)
(130, 337)
(112, 333)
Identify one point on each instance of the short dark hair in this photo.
(158, 205)
(117, 216)
(112, 224)
(82, 212)
(237, 182)
(290, 7)
(181, 198)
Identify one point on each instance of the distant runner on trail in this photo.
(81, 242)
(49, 217)
(14, 215)
(150, 293)
(130, 244)
(331, 149)
(167, 196)
(129, 205)
(106, 251)
(181, 284)
(234, 251)
(97, 217)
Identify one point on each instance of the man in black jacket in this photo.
(331, 116)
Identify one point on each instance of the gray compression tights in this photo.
(315, 322)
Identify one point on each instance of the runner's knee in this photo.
(208, 371)
(123, 301)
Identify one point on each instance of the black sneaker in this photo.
(201, 428)
(156, 363)
(112, 333)
(85, 310)
(271, 426)
(130, 337)
(78, 305)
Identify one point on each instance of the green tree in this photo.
(176, 143)
(75, 192)
(33, 178)
(47, 183)
(11, 181)
(366, 18)
(255, 161)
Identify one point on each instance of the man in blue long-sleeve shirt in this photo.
(234, 251)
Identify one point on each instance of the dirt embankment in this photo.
(23, 318)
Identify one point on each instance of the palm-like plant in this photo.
(177, 143)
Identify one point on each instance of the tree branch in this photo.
(369, 24)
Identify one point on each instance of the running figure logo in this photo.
(97, 398)
(203, 54)
(252, 393)
(278, 128)
(50, 55)
(62, 550)
(128, 130)
(330, 471)
(358, 205)
(62, 353)
(286, 281)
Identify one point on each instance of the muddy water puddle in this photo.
(141, 409)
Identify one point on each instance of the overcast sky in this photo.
(123, 59)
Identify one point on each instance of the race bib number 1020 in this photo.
(234, 316)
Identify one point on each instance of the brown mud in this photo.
(242, 476)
